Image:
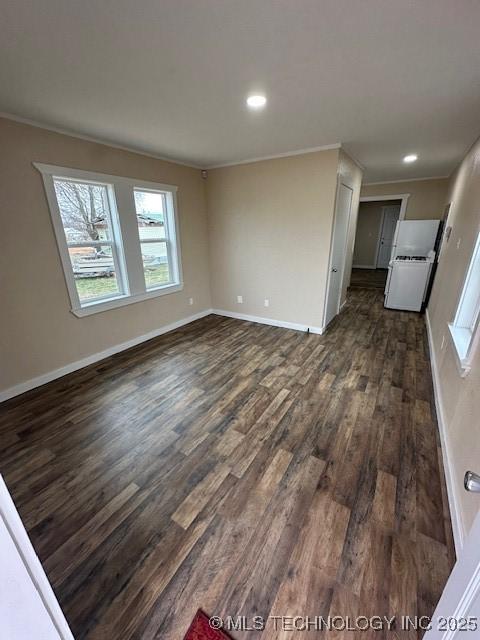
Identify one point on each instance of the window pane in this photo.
(84, 210)
(470, 302)
(150, 208)
(155, 264)
(94, 272)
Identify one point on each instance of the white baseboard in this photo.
(270, 321)
(364, 266)
(452, 489)
(96, 357)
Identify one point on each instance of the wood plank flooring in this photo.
(240, 468)
(368, 279)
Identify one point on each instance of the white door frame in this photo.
(380, 229)
(340, 182)
(18, 533)
(460, 597)
(399, 196)
(403, 197)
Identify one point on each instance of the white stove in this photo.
(411, 264)
(417, 258)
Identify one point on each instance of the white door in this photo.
(389, 222)
(28, 607)
(458, 611)
(338, 251)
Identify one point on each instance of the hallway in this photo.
(368, 279)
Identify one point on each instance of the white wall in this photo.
(459, 398)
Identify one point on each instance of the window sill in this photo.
(121, 301)
(461, 339)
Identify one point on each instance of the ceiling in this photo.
(170, 77)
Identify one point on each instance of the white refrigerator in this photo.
(414, 237)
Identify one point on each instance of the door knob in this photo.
(472, 482)
(334, 270)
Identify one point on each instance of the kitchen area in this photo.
(395, 255)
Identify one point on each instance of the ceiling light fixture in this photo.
(411, 158)
(256, 102)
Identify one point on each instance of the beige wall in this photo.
(351, 175)
(460, 397)
(368, 229)
(366, 238)
(38, 332)
(270, 225)
(427, 197)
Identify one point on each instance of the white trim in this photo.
(380, 234)
(101, 178)
(465, 330)
(461, 341)
(270, 321)
(89, 309)
(286, 154)
(464, 606)
(102, 141)
(363, 266)
(96, 357)
(399, 196)
(340, 183)
(460, 598)
(126, 243)
(458, 526)
(371, 184)
(29, 558)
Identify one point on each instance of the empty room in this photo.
(240, 343)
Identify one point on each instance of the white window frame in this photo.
(464, 329)
(125, 236)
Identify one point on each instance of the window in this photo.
(92, 240)
(117, 237)
(152, 222)
(464, 327)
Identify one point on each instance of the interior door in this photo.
(390, 217)
(458, 611)
(338, 251)
(28, 607)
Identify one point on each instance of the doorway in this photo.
(390, 215)
(373, 242)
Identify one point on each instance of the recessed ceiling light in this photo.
(411, 158)
(256, 102)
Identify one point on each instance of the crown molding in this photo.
(286, 154)
(371, 184)
(87, 138)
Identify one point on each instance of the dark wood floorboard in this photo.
(368, 278)
(240, 468)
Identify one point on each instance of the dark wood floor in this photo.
(240, 468)
(368, 279)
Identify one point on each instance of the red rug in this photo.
(200, 629)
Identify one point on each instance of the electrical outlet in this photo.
(190, 301)
(240, 299)
(266, 302)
